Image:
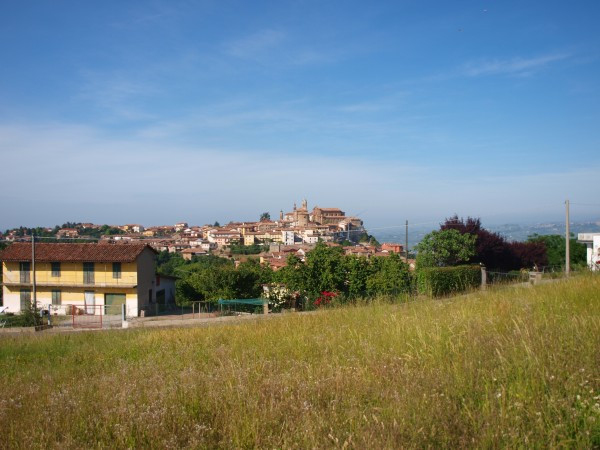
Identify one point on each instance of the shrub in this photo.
(439, 281)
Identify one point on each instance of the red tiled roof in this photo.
(74, 252)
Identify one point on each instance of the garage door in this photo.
(113, 303)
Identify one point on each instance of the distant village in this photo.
(296, 231)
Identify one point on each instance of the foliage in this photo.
(325, 299)
(327, 269)
(440, 281)
(324, 270)
(555, 249)
(280, 297)
(97, 232)
(265, 217)
(389, 276)
(28, 317)
(254, 249)
(216, 224)
(369, 239)
(445, 248)
(529, 254)
(494, 251)
(216, 278)
(168, 263)
(83, 231)
(293, 276)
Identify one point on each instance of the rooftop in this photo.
(46, 252)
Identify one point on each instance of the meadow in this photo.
(513, 367)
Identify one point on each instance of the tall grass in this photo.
(516, 367)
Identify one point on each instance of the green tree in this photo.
(390, 275)
(445, 248)
(368, 239)
(555, 249)
(357, 271)
(324, 270)
(293, 275)
(265, 216)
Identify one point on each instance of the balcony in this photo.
(70, 279)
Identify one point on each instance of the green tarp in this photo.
(244, 301)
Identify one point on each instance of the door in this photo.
(113, 303)
(90, 302)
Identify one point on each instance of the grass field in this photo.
(513, 367)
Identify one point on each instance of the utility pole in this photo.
(406, 241)
(567, 242)
(33, 271)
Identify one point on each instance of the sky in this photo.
(157, 112)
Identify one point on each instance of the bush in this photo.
(27, 318)
(439, 281)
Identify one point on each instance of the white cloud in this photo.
(119, 94)
(78, 173)
(514, 66)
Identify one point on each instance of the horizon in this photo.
(210, 111)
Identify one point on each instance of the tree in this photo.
(216, 224)
(491, 249)
(445, 248)
(357, 270)
(390, 275)
(368, 239)
(494, 251)
(265, 216)
(293, 275)
(555, 249)
(324, 269)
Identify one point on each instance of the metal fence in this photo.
(85, 317)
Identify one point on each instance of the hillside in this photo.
(514, 367)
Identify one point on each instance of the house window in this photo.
(24, 270)
(55, 269)
(88, 273)
(116, 270)
(56, 297)
(25, 296)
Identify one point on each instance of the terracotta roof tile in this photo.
(74, 252)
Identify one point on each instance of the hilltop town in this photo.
(296, 231)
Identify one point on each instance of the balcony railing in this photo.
(82, 279)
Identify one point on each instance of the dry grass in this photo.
(517, 367)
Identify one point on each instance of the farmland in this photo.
(510, 367)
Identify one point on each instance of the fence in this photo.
(85, 316)
(495, 278)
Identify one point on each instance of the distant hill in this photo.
(513, 232)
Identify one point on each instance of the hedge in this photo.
(439, 281)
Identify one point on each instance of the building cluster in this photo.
(296, 231)
(300, 226)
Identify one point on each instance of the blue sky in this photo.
(156, 112)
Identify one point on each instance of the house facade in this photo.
(592, 242)
(96, 278)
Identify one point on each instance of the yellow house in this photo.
(97, 278)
